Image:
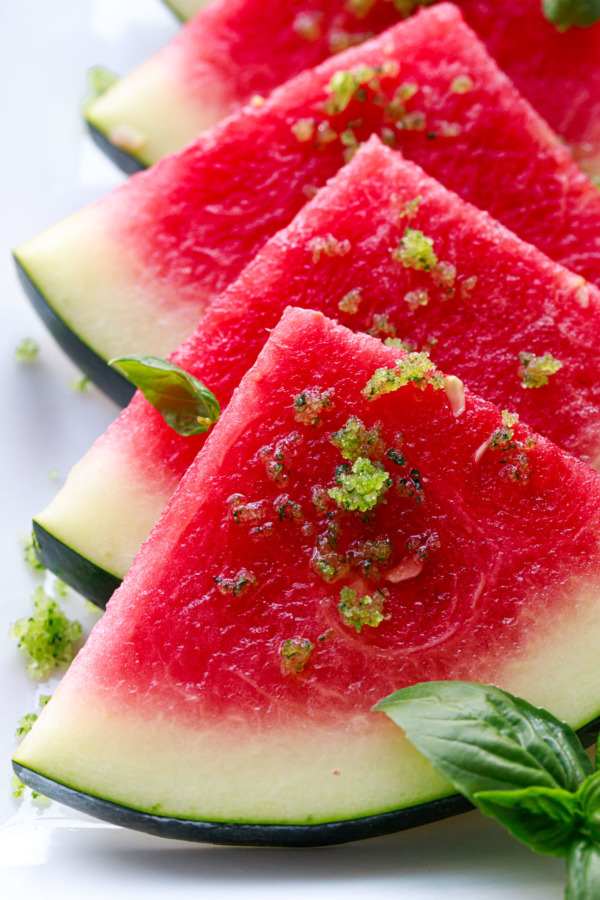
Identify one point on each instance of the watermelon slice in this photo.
(347, 530)
(490, 298)
(134, 272)
(218, 62)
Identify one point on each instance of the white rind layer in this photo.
(102, 292)
(293, 775)
(126, 501)
(132, 114)
(230, 772)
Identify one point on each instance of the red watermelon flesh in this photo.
(218, 60)
(160, 248)
(503, 298)
(464, 571)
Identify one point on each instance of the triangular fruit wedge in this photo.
(217, 63)
(134, 272)
(488, 298)
(347, 530)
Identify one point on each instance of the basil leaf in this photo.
(546, 819)
(564, 13)
(588, 797)
(481, 738)
(583, 872)
(185, 404)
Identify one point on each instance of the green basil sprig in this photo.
(517, 763)
(564, 13)
(186, 405)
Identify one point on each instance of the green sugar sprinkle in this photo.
(47, 638)
(361, 487)
(356, 613)
(27, 351)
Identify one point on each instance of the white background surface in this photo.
(48, 169)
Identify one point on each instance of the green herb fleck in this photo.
(328, 246)
(410, 209)
(399, 344)
(325, 135)
(47, 638)
(236, 586)
(186, 405)
(304, 130)
(345, 86)
(361, 487)
(327, 562)
(356, 613)
(417, 298)
(30, 548)
(535, 371)
(396, 457)
(286, 508)
(27, 351)
(410, 486)
(415, 251)
(415, 367)
(295, 653)
(243, 512)
(381, 325)
(308, 25)
(354, 440)
(27, 721)
(370, 556)
(350, 302)
(462, 84)
(310, 404)
(80, 383)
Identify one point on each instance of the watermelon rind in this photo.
(260, 834)
(125, 161)
(80, 573)
(109, 380)
(243, 833)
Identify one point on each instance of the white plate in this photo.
(50, 168)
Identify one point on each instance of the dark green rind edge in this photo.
(108, 380)
(258, 835)
(125, 161)
(242, 834)
(84, 576)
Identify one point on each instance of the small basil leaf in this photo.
(564, 13)
(481, 738)
(185, 404)
(546, 819)
(583, 872)
(588, 797)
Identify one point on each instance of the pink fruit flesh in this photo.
(518, 301)
(199, 216)
(558, 72)
(499, 558)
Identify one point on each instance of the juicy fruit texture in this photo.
(221, 53)
(177, 235)
(477, 575)
(489, 298)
